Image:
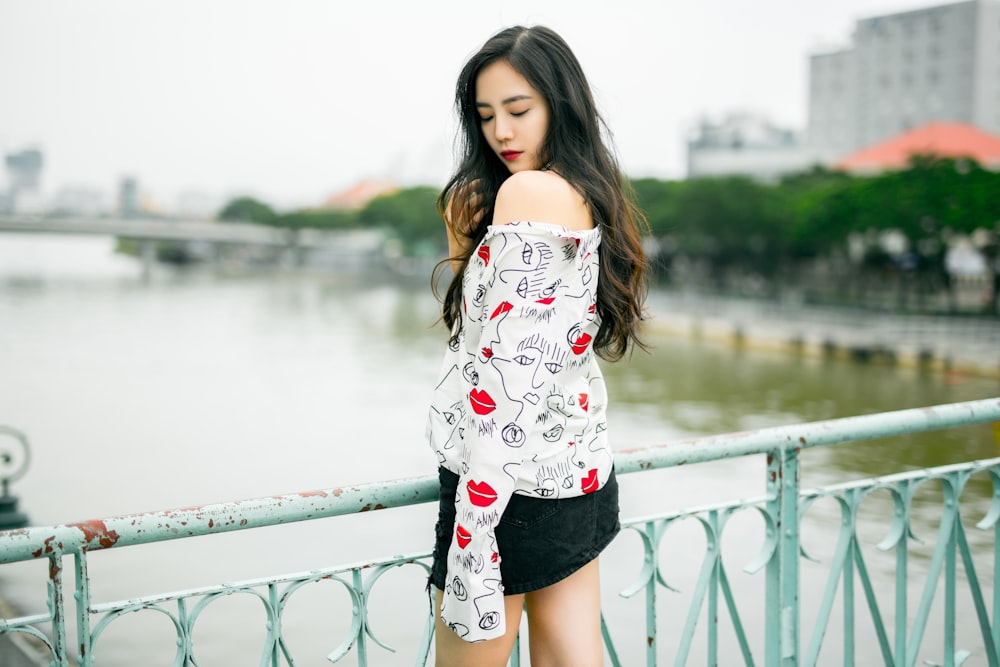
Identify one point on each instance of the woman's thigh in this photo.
(453, 651)
(564, 621)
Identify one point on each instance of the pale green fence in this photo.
(899, 625)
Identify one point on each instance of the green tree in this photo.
(326, 219)
(247, 209)
(658, 201)
(734, 223)
(411, 214)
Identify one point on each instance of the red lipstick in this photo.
(510, 156)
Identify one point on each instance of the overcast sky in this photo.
(294, 100)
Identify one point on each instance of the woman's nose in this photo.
(503, 129)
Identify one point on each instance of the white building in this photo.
(904, 70)
(745, 144)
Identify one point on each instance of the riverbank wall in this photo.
(964, 345)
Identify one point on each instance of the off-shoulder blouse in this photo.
(520, 402)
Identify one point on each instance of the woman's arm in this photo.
(458, 234)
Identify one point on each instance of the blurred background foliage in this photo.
(828, 234)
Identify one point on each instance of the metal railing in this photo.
(899, 628)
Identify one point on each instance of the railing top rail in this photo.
(808, 435)
(30, 543)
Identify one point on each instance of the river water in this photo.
(179, 388)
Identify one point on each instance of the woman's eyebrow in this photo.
(514, 98)
(517, 98)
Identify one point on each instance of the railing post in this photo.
(782, 596)
(652, 560)
(82, 599)
(996, 579)
(902, 514)
(57, 608)
(951, 503)
(362, 611)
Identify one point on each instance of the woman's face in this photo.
(514, 117)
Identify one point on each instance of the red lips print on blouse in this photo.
(482, 403)
(481, 494)
(579, 346)
(590, 483)
(504, 307)
(463, 536)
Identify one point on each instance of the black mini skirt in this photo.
(541, 541)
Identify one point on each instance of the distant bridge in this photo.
(347, 242)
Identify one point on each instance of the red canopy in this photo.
(954, 140)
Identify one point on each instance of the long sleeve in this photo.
(524, 329)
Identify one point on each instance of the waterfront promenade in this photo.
(956, 344)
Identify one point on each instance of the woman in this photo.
(548, 265)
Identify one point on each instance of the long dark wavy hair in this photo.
(574, 147)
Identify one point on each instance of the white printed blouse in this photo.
(520, 404)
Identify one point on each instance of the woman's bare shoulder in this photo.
(541, 196)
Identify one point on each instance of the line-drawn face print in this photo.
(556, 412)
(556, 403)
(478, 295)
(459, 629)
(522, 288)
(527, 252)
(458, 590)
(529, 280)
(546, 485)
(489, 620)
(554, 433)
(579, 341)
(545, 294)
(470, 374)
(513, 435)
(455, 412)
(544, 358)
(453, 416)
